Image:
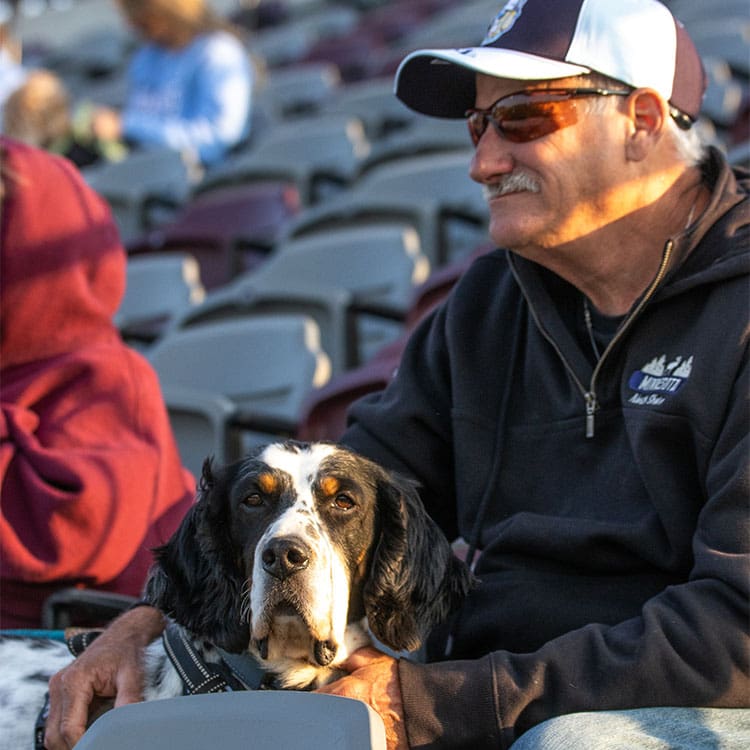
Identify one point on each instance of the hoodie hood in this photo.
(62, 265)
(717, 245)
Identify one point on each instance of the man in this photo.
(577, 410)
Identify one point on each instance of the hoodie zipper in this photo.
(589, 394)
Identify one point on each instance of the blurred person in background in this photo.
(90, 476)
(39, 113)
(36, 106)
(190, 83)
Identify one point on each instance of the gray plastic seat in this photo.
(379, 264)
(298, 89)
(432, 193)
(288, 43)
(261, 720)
(356, 282)
(318, 153)
(203, 425)
(159, 286)
(373, 102)
(425, 135)
(264, 365)
(142, 185)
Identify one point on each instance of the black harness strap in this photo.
(198, 675)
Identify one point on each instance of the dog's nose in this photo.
(283, 557)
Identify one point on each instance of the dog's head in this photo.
(287, 547)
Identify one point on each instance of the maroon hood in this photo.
(62, 266)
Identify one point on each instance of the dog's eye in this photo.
(253, 500)
(343, 502)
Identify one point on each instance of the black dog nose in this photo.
(285, 556)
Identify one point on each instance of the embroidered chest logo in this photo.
(504, 21)
(658, 379)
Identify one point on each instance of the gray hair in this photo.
(688, 143)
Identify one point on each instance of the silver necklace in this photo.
(587, 308)
(590, 327)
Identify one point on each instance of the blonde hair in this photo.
(188, 18)
(38, 112)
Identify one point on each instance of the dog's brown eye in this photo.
(343, 502)
(253, 500)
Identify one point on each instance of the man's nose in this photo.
(492, 157)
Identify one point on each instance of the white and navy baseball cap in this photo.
(637, 42)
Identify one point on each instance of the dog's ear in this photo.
(415, 580)
(197, 578)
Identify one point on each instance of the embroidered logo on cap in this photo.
(659, 378)
(504, 20)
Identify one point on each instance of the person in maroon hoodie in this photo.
(90, 472)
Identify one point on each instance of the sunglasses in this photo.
(528, 115)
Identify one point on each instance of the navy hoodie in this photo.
(609, 504)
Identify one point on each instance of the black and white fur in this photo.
(297, 554)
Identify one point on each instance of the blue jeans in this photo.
(642, 729)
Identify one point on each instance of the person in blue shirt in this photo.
(190, 82)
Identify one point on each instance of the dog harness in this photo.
(201, 676)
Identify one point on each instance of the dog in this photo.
(296, 555)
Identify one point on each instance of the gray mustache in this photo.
(515, 182)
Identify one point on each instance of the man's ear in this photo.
(648, 113)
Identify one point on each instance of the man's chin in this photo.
(510, 235)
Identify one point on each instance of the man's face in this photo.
(560, 186)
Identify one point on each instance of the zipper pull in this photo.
(590, 397)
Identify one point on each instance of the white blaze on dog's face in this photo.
(316, 510)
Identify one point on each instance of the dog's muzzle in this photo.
(287, 593)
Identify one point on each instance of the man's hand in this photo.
(111, 667)
(374, 680)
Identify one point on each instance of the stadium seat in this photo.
(265, 365)
(431, 193)
(137, 188)
(158, 287)
(261, 719)
(356, 282)
(317, 153)
(229, 229)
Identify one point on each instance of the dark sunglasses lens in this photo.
(529, 121)
(523, 122)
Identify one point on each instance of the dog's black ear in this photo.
(415, 580)
(197, 578)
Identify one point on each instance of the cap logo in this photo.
(504, 21)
